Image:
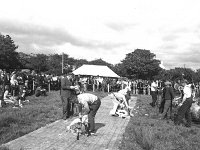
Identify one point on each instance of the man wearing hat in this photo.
(167, 97)
(67, 91)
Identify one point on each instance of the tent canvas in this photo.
(95, 70)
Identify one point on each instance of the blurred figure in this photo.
(185, 105)
(120, 101)
(154, 87)
(40, 91)
(67, 93)
(166, 104)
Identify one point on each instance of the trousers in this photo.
(91, 115)
(184, 112)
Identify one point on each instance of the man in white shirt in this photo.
(184, 110)
(91, 104)
(154, 87)
(118, 98)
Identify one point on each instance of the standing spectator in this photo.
(66, 94)
(134, 85)
(184, 110)
(140, 87)
(154, 87)
(167, 97)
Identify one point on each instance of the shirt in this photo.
(187, 90)
(153, 86)
(119, 96)
(86, 98)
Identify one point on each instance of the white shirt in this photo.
(187, 91)
(5, 96)
(86, 97)
(153, 86)
(119, 96)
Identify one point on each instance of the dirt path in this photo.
(54, 137)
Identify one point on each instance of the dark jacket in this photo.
(168, 93)
(65, 88)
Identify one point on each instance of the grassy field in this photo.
(16, 122)
(146, 132)
(35, 114)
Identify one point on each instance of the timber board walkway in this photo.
(54, 136)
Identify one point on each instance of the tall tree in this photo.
(8, 55)
(140, 64)
(39, 62)
(55, 64)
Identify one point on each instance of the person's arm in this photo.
(185, 96)
(6, 95)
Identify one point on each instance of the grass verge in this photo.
(146, 132)
(37, 113)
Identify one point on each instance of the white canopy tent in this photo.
(95, 70)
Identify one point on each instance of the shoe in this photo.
(93, 133)
(15, 107)
(131, 115)
(129, 107)
(65, 117)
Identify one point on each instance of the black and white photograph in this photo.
(99, 75)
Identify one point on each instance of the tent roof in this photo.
(95, 70)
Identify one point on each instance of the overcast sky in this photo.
(107, 29)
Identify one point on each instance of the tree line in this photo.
(139, 64)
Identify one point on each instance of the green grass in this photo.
(146, 132)
(35, 114)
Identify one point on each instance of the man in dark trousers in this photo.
(184, 106)
(166, 104)
(66, 92)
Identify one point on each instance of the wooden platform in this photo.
(55, 137)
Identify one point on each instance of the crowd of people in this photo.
(16, 85)
(180, 94)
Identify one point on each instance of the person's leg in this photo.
(162, 105)
(166, 108)
(188, 115)
(65, 103)
(154, 98)
(181, 112)
(91, 116)
(115, 106)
